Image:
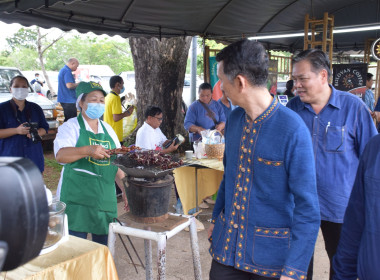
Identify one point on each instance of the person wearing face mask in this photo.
(87, 179)
(114, 114)
(15, 114)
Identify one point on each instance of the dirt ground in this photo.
(179, 264)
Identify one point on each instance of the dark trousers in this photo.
(101, 239)
(223, 272)
(331, 234)
(69, 110)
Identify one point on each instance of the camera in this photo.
(24, 212)
(33, 131)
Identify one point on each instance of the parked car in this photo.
(48, 107)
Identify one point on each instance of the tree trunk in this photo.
(160, 67)
(41, 60)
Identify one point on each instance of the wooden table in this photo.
(74, 259)
(201, 179)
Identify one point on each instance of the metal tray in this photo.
(131, 168)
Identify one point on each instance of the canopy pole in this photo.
(193, 72)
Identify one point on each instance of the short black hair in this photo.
(18, 77)
(37, 74)
(152, 111)
(369, 76)
(205, 86)
(317, 58)
(247, 58)
(114, 80)
(289, 84)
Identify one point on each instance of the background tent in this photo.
(225, 20)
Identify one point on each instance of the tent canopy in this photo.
(223, 20)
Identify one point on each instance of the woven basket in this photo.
(214, 150)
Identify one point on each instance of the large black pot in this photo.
(149, 199)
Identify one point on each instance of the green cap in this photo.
(87, 87)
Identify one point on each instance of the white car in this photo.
(48, 107)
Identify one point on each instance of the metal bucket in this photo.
(149, 199)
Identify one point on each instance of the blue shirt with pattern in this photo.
(266, 214)
(339, 132)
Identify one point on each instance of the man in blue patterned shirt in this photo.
(266, 216)
(340, 126)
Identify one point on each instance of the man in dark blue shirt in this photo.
(340, 126)
(358, 254)
(66, 88)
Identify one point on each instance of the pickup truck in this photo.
(48, 107)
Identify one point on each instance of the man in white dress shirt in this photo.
(149, 136)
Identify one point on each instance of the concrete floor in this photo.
(179, 264)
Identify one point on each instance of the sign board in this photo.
(350, 77)
(375, 49)
(283, 99)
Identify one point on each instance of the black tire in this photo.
(49, 95)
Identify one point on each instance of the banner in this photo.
(350, 77)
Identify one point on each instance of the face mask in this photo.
(122, 90)
(95, 110)
(37, 78)
(20, 93)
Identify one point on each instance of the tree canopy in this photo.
(22, 52)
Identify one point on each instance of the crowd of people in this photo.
(288, 171)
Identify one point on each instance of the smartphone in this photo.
(175, 140)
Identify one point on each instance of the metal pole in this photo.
(111, 240)
(193, 72)
(195, 250)
(161, 256)
(196, 189)
(148, 258)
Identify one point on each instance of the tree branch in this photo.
(53, 42)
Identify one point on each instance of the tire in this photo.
(49, 95)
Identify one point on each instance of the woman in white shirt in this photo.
(87, 179)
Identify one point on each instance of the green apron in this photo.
(88, 187)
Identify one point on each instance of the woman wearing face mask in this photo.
(15, 114)
(87, 179)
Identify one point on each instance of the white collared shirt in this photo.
(149, 138)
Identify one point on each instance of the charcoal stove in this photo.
(148, 190)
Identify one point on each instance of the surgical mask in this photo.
(37, 78)
(95, 110)
(122, 90)
(20, 93)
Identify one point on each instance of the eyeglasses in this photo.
(159, 119)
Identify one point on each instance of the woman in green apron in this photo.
(87, 180)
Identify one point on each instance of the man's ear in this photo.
(241, 82)
(324, 76)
